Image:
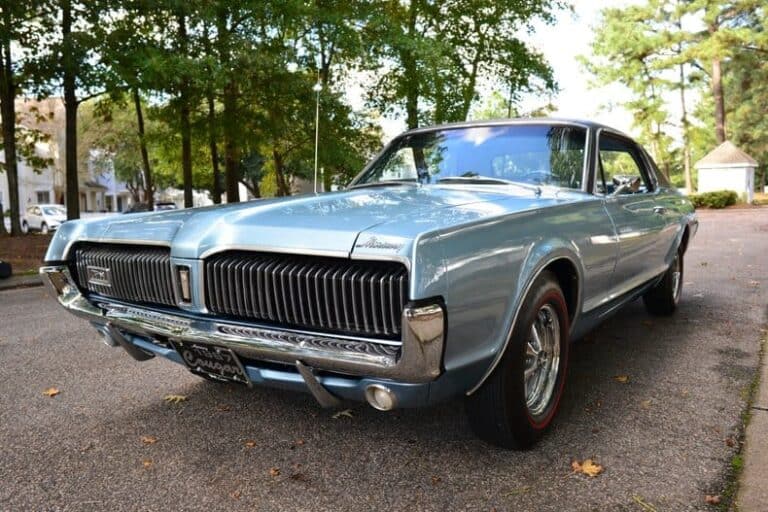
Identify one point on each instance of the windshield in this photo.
(53, 210)
(532, 154)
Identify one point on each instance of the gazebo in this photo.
(727, 168)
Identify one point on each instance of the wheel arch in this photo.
(563, 263)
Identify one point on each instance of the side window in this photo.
(620, 168)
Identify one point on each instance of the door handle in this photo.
(660, 210)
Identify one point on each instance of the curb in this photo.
(15, 282)
(752, 494)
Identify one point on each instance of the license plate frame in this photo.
(212, 361)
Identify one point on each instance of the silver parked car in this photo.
(43, 217)
(461, 262)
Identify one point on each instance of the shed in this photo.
(727, 168)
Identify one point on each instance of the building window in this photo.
(43, 197)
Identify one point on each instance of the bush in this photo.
(717, 199)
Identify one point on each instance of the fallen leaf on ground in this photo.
(274, 472)
(436, 480)
(175, 399)
(148, 439)
(712, 500)
(644, 504)
(345, 412)
(645, 404)
(588, 467)
(623, 379)
(730, 442)
(147, 463)
(249, 443)
(223, 408)
(299, 477)
(51, 392)
(235, 495)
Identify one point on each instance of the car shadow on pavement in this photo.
(615, 369)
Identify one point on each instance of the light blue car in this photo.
(461, 261)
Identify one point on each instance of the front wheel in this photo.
(44, 228)
(662, 299)
(24, 227)
(518, 402)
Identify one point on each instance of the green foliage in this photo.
(717, 199)
(662, 49)
(430, 56)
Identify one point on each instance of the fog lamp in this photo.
(380, 397)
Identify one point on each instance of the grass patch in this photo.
(736, 467)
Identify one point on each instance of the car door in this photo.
(629, 195)
(34, 217)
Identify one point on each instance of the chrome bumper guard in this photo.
(416, 359)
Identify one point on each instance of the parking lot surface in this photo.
(656, 401)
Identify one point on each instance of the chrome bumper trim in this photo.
(418, 359)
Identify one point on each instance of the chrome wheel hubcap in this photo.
(542, 360)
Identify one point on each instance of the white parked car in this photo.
(43, 217)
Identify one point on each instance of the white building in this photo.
(34, 187)
(727, 168)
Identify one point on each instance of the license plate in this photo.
(219, 363)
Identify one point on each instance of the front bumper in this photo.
(417, 359)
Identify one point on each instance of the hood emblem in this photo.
(99, 276)
(375, 243)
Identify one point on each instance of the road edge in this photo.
(23, 281)
(751, 493)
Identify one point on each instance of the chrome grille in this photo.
(136, 274)
(355, 297)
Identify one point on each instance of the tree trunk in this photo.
(717, 94)
(214, 149)
(149, 188)
(70, 114)
(186, 131)
(8, 114)
(686, 137)
(230, 146)
(283, 188)
(229, 113)
(411, 72)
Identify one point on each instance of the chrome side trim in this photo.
(417, 360)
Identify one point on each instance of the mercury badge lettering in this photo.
(460, 263)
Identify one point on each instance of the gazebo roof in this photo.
(726, 155)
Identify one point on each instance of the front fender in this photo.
(489, 268)
(540, 256)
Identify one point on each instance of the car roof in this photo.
(584, 123)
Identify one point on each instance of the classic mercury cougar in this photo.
(461, 261)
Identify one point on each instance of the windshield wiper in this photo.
(483, 180)
(384, 183)
(487, 180)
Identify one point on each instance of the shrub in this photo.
(716, 199)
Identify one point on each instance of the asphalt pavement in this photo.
(656, 402)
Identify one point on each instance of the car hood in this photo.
(361, 221)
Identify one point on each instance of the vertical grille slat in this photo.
(309, 292)
(139, 274)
